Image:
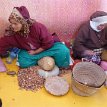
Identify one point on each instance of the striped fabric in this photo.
(98, 51)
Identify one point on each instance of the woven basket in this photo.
(87, 78)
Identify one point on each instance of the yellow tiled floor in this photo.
(13, 96)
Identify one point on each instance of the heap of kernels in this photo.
(29, 79)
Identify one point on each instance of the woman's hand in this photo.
(33, 52)
(89, 52)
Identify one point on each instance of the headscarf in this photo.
(98, 18)
(21, 15)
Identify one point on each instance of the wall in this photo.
(60, 16)
(103, 5)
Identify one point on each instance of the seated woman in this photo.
(92, 36)
(33, 39)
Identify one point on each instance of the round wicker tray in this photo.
(56, 86)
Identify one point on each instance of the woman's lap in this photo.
(59, 52)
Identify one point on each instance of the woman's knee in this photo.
(63, 52)
(63, 59)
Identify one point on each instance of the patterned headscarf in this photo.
(21, 15)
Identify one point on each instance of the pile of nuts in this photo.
(29, 79)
